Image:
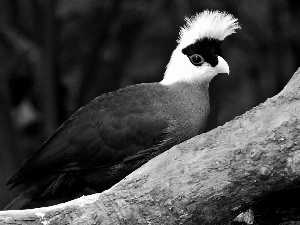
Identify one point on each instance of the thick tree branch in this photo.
(209, 179)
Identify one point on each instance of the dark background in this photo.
(56, 55)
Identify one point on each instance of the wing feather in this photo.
(109, 129)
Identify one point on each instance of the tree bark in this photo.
(208, 179)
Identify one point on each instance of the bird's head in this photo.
(197, 57)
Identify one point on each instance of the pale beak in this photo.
(222, 66)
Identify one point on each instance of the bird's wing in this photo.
(107, 130)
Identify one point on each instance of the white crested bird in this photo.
(117, 132)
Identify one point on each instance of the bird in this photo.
(119, 131)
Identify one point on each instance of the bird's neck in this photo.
(193, 91)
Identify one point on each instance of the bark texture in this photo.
(208, 179)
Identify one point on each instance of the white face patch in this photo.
(209, 25)
(181, 69)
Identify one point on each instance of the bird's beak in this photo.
(222, 66)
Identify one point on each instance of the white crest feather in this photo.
(208, 24)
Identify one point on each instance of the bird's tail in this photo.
(24, 199)
(20, 202)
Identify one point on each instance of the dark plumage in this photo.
(119, 131)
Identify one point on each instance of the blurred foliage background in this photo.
(56, 55)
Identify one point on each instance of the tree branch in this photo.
(208, 179)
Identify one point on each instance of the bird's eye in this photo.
(196, 59)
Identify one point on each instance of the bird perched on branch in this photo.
(117, 132)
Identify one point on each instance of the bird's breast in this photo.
(189, 109)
